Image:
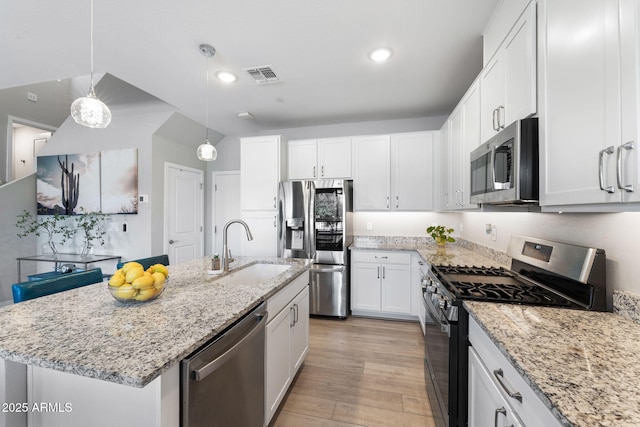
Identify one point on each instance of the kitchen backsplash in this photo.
(627, 305)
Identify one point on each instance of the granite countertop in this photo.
(459, 253)
(87, 332)
(582, 364)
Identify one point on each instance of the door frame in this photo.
(214, 183)
(165, 233)
(9, 171)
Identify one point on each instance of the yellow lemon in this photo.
(134, 274)
(146, 294)
(125, 292)
(118, 279)
(147, 273)
(159, 268)
(131, 265)
(143, 282)
(158, 278)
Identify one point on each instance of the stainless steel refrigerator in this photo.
(315, 222)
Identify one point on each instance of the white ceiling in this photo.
(318, 48)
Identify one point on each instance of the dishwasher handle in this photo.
(209, 368)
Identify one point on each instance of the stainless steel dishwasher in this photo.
(222, 384)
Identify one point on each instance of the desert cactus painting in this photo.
(70, 183)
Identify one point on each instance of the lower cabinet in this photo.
(381, 284)
(498, 395)
(287, 341)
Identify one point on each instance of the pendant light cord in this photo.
(206, 98)
(91, 39)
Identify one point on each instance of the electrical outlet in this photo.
(494, 232)
(32, 96)
(143, 198)
(487, 229)
(369, 225)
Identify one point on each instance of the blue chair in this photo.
(35, 289)
(148, 262)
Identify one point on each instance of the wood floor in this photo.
(359, 372)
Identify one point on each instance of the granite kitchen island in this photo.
(119, 353)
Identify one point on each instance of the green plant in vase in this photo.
(49, 225)
(92, 225)
(441, 236)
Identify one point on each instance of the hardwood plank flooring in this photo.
(359, 372)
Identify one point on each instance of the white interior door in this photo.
(226, 206)
(184, 213)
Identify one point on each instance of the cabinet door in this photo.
(264, 231)
(492, 88)
(487, 407)
(445, 166)
(302, 159)
(520, 68)
(412, 168)
(396, 288)
(365, 286)
(259, 172)
(470, 140)
(581, 105)
(300, 330)
(334, 158)
(277, 361)
(456, 136)
(630, 101)
(372, 173)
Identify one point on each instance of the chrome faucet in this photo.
(226, 253)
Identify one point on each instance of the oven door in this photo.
(438, 359)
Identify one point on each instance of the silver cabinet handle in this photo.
(322, 170)
(212, 366)
(628, 146)
(501, 125)
(378, 272)
(397, 202)
(384, 269)
(171, 241)
(381, 257)
(495, 116)
(296, 313)
(275, 203)
(275, 220)
(499, 411)
(314, 171)
(292, 315)
(499, 374)
(387, 202)
(611, 188)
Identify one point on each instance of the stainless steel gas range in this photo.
(542, 272)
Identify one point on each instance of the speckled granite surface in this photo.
(583, 364)
(459, 253)
(87, 332)
(627, 305)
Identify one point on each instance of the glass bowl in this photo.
(129, 294)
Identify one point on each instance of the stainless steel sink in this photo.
(255, 273)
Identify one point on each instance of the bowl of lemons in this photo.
(133, 284)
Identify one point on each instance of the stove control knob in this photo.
(432, 289)
(442, 303)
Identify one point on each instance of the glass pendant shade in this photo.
(89, 111)
(207, 152)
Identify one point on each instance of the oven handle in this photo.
(437, 315)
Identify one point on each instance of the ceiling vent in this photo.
(263, 74)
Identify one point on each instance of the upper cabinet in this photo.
(508, 80)
(319, 158)
(260, 171)
(463, 136)
(394, 172)
(589, 53)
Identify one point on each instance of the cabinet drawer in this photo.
(530, 408)
(276, 303)
(380, 257)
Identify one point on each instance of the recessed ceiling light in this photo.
(226, 76)
(380, 54)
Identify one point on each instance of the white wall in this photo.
(617, 233)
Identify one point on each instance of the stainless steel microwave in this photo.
(504, 170)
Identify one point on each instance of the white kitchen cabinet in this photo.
(494, 384)
(381, 284)
(263, 226)
(445, 201)
(463, 136)
(286, 342)
(261, 168)
(589, 98)
(327, 158)
(508, 81)
(394, 172)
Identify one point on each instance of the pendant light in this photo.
(88, 110)
(206, 151)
